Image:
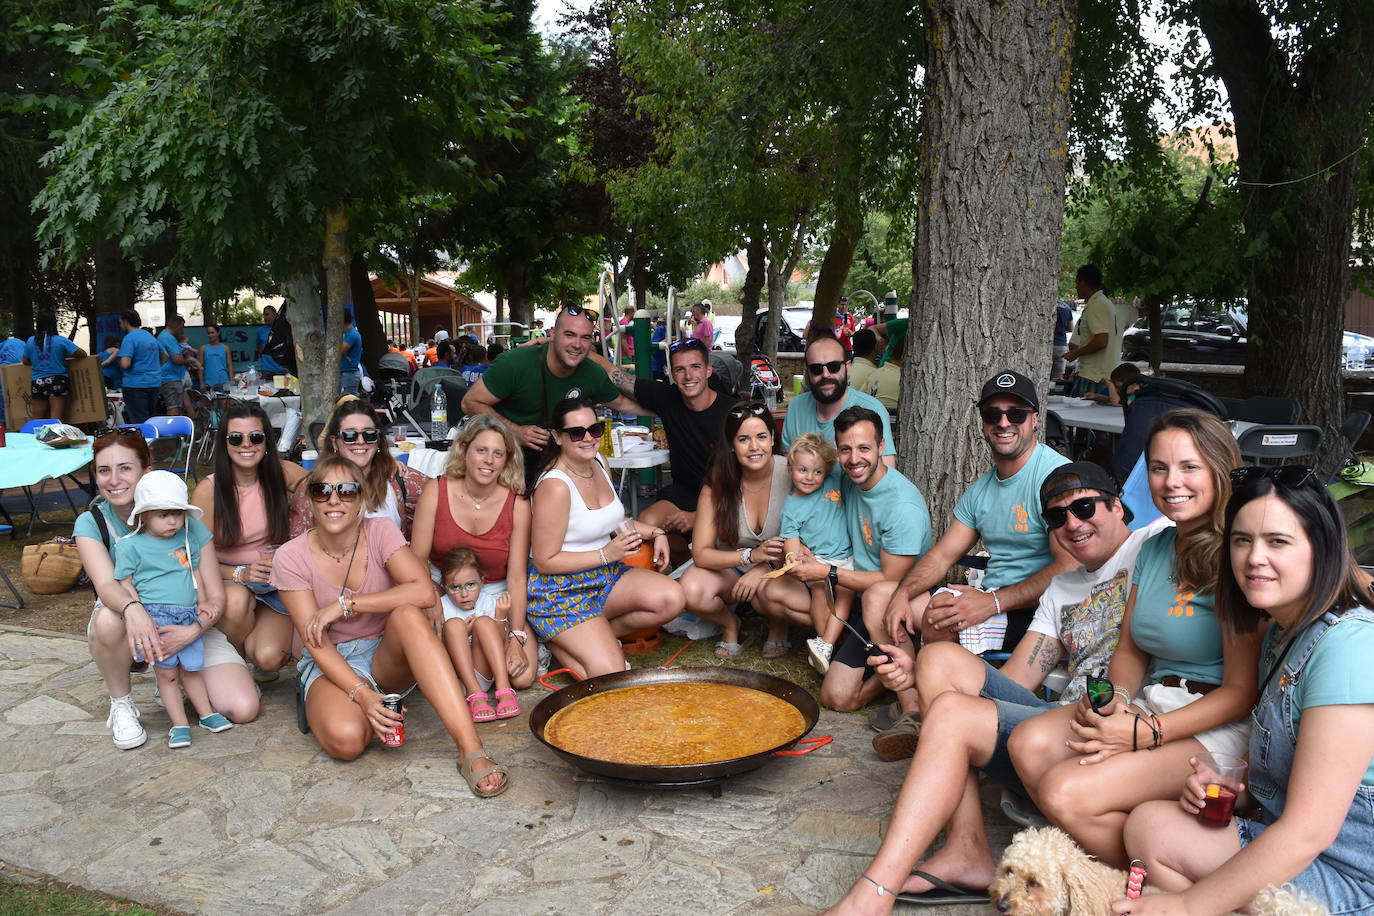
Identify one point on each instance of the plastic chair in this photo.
(1269, 410)
(1274, 444)
(1055, 435)
(1135, 493)
(32, 426)
(1331, 465)
(183, 431)
(423, 382)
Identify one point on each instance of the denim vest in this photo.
(1274, 742)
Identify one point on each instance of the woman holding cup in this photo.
(1287, 571)
(582, 596)
(245, 504)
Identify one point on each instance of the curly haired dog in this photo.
(1045, 873)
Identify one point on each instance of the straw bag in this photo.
(52, 567)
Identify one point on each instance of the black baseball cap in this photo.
(1012, 383)
(1080, 475)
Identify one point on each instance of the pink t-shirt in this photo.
(252, 528)
(294, 570)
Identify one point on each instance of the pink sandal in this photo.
(507, 705)
(479, 705)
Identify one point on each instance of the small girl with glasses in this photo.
(477, 612)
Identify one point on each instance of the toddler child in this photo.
(160, 561)
(813, 521)
(476, 611)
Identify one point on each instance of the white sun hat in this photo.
(161, 490)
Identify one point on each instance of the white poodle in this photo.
(1045, 873)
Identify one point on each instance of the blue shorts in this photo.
(1341, 893)
(267, 594)
(357, 652)
(1015, 704)
(559, 602)
(192, 655)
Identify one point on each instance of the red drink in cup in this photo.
(1222, 776)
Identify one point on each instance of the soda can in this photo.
(397, 736)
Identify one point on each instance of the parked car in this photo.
(725, 331)
(1199, 333)
(789, 335)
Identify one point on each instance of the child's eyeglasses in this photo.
(462, 588)
(347, 491)
(256, 438)
(369, 436)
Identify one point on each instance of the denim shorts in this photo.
(357, 652)
(267, 594)
(1015, 704)
(1341, 893)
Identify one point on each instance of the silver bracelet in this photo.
(996, 602)
(601, 552)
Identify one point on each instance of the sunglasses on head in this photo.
(833, 367)
(690, 343)
(578, 433)
(346, 491)
(748, 410)
(1289, 476)
(368, 435)
(1015, 415)
(1085, 508)
(462, 587)
(591, 313)
(256, 437)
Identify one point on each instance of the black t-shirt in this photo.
(691, 433)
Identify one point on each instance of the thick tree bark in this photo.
(318, 331)
(846, 234)
(500, 306)
(745, 344)
(114, 279)
(368, 322)
(992, 205)
(1299, 128)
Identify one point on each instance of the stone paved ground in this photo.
(257, 820)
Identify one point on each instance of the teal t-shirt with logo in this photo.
(1006, 513)
(801, 418)
(1176, 627)
(160, 568)
(167, 342)
(891, 517)
(818, 520)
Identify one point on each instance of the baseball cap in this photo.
(1012, 383)
(1080, 475)
(440, 334)
(161, 490)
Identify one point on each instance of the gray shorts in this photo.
(170, 394)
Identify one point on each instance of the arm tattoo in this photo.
(1045, 652)
(624, 382)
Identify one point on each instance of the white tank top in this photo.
(588, 529)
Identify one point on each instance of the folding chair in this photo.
(183, 431)
(1331, 465)
(1269, 410)
(1276, 444)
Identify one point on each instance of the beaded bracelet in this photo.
(996, 602)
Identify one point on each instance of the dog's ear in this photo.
(1091, 888)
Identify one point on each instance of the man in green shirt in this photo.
(524, 383)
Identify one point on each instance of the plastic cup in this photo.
(1222, 776)
(308, 459)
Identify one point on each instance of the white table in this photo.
(275, 408)
(1107, 419)
(650, 458)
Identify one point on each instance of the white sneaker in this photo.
(123, 720)
(819, 650)
(545, 660)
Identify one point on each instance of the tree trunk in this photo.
(318, 335)
(412, 281)
(839, 257)
(365, 316)
(114, 279)
(169, 296)
(754, 278)
(500, 306)
(1297, 132)
(992, 206)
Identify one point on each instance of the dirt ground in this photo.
(64, 613)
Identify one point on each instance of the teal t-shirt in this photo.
(890, 517)
(142, 348)
(49, 359)
(801, 418)
(86, 526)
(160, 569)
(1175, 627)
(348, 362)
(167, 343)
(1006, 513)
(818, 519)
(1338, 672)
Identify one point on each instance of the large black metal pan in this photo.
(694, 773)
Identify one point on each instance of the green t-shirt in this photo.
(891, 517)
(1006, 513)
(160, 568)
(526, 390)
(1174, 626)
(818, 520)
(896, 337)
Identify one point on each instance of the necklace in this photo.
(337, 558)
(476, 503)
(586, 476)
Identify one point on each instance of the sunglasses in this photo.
(690, 343)
(591, 313)
(1100, 690)
(257, 437)
(748, 410)
(578, 433)
(461, 588)
(1085, 508)
(1015, 415)
(833, 367)
(368, 435)
(1289, 476)
(347, 492)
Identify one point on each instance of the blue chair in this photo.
(19, 599)
(182, 431)
(32, 426)
(1135, 493)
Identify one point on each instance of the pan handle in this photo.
(811, 743)
(543, 681)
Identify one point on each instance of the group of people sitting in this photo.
(1211, 624)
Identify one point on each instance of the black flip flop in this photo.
(943, 893)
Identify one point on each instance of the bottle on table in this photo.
(438, 413)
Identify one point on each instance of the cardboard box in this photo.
(86, 404)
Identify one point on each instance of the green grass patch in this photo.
(36, 900)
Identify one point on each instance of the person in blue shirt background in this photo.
(11, 352)
(173, 387)
(350, 356)
(1063, 324)
(218, 363)
(109, 361)
(140, 362)
(47, 352)
(266, 364)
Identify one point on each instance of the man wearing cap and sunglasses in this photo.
(998, 509)
(524, 383)
(975, 706)
(827, 394)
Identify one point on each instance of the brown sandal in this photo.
(475, 778)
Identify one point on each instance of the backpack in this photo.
(1155, 396)
(281, 342)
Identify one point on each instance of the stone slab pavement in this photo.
(257, 819)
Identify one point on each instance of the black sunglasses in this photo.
(1015, 415)
(591, 313)
(347, 491)
(1085, 508)
(833, 367)
(1100, 690)
(256, 437)
(1289, 476)
(578, 433)
(369, 435)
(690, 343)
(748, 410)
